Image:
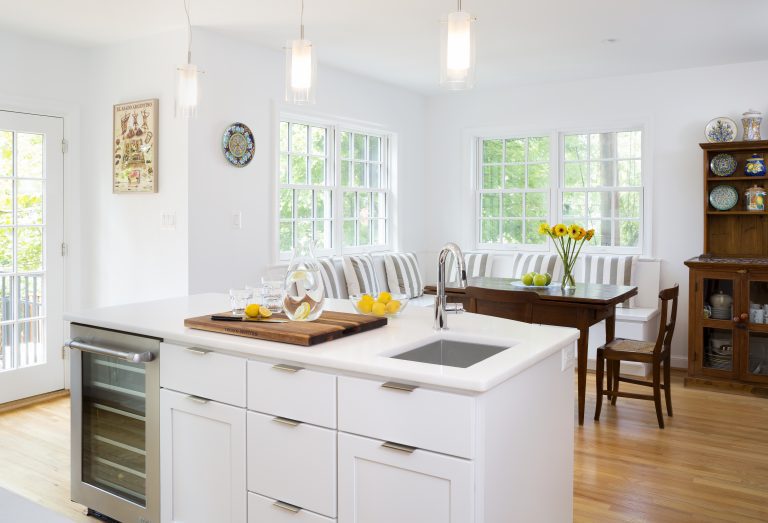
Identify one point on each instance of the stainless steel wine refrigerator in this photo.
(115, 424)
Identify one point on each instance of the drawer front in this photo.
(379, 484)
(293, 462)
(292, 392)
(202, 372)
(427, 419)
(265, 510)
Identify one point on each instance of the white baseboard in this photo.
(679, 362)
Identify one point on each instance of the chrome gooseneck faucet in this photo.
(441, 316)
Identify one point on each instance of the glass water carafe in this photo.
(304, 292)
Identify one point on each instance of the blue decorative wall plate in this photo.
(721, 129)
(237, 144)
(724, 197)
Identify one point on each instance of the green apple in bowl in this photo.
(527, 279)
(540, 280)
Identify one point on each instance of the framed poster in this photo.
(134, 143)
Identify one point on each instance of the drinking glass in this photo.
(239, 299)
(272, 294)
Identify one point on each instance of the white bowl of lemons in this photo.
(384, 304)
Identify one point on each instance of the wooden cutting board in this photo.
(329, 326)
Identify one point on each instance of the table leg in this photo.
(581, 369)
(610, 326)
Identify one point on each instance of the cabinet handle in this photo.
(286, 421)
(397, 446)
(399, 386)
(197, 399)
(286, 506)
(198, 351)
(287, 368)
(741, 318)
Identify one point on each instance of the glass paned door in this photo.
(755, 365)
(718, 336)
(31, 164)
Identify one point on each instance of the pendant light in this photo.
(186, 79)
(300, 68)
(457, 51)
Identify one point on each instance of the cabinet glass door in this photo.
(717, 338)
(755, 366)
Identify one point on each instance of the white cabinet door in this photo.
(380, 485)
(202, 460)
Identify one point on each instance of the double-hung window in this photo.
(333, 188)
(594, 179)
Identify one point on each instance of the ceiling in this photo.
(397, 41)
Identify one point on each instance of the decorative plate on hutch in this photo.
(724, 197)
(721, 129)
(723, 164)
(237, 143)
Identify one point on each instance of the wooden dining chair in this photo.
(656, 353)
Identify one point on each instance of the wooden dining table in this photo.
(580, 307)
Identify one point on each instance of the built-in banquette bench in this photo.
(402, 273)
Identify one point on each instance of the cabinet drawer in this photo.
(265, 510)
(202, 372)
(293, 462)
(379, 484)
(292, 392)
(422, 418)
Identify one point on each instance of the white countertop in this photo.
(364, 353)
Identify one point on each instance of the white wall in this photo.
(674, 106)
(128, 257)
(245, 83)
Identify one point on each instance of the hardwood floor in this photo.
(709, 465)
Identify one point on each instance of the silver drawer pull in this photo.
(133, 357)
(287, 368)
(286, 421)
(399, 386)
(198, 351)
(197, 399)
(286, 506)
(397, 446)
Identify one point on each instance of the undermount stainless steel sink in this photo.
(452, 353)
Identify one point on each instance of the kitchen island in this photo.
(258, 431)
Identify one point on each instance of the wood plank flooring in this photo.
(709, 465)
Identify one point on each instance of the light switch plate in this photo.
(237, 220)
(168, 221)
(568, 357)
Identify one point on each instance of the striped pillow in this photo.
(360, 275)
(403, 274)
(611, 270)
(477, 263)
(539, 263)
(330, 278)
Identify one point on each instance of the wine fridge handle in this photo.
(133, 357)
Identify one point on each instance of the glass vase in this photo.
(303, 292)
(568, 282)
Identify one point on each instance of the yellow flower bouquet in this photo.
(568, 241)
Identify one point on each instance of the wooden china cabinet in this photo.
(728, 345)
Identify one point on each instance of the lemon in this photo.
(393, 307)
(252, 310)
(264, 312)
(384, 297)
(366, 298)
(302, 311)
(379, 309)
(298, 276)
(365, 306)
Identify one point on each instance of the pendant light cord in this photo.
(301, 20)
(189, 32)
(459, 5)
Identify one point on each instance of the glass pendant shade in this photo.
(186, 90)
(457, 50)
(300, 72)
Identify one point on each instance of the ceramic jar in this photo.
(720, 300)
(751, 122)
(754, 198)
(755, 166)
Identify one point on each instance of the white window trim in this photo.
(472, 138)
(334, 124)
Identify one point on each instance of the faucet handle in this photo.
(454, 308)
